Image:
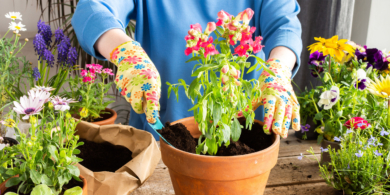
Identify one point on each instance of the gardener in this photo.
(161, 26)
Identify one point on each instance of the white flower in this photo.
(329, 98)
(361, 74)
(16, 27)
(41, 95)
(28, 106)
(61, 104)
(42, 88)
(14, 16)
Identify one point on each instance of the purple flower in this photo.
(305, 128)
(316, 59)
(72, 56)
(383, 132)
(300, 157)
(373, 57)
(361, 84)
(59, 35)
(377, 153)
(49, 57)
(337, 139)
(360, 154)
(36, 74)
(63, 49)
(45, 31)
(80, 98)
(39, 45)
(349, 131)
(348, 166)
(361, 54)
(324, 149)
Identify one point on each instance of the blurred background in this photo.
(362, 21)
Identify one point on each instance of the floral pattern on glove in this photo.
(279, 100)
(137, 78)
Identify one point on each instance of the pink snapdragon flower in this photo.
(245, 15)
(196, 27)
(210, 28)
(224, 79)
(256, 45)
(223, 16)
(246, 34)
(209, 47)
(242, 49)
(225, 69)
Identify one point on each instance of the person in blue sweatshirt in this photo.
(157, 52)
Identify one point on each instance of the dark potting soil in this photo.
(250, 140)
(72, 183)
(103, 156)
(103, 116)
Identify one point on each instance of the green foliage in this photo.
(216, 105)
(360, 166)
(44, 161)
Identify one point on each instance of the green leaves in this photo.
(73, 170)
(41, 190)
(35, 176)
(195, 58)
(13, 181)
(318, 116)
(235, 129)
(211, 146)
(74, 191)
(217, 113)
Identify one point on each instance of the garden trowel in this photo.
(156, 126)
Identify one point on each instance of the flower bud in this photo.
(68, 116)
(26, 39)
(239, 114)
(11, 52)
(19, 35)
(224, 79)
(225, 69)
(194, 33)
(29, 144)
(204, 38)
(76, 137)
(30, 63)
(50, 105)
(233, 72)
(211, 26)
(14, 32)
(238, 83)
(33, 120)
(62, 154)
(225, 88)
(34, 138)
(238, 74)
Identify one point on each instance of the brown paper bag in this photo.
(146, 155)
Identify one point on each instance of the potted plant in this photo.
(360, 166)
(307, 113)
(223, 112)
(91, 90)
(43, 163)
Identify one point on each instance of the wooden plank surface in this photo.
(290, 176)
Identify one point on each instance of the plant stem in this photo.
(388, 113)
(315, 106)
(330, 62)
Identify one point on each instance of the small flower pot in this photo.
(3, 188)
(201, 174)
(106, 119)
(311, 134)
(325, 156)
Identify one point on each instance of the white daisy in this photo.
(60, 103)
(41, 95)
(14, 16)
(42, 88)
(28, 106)
(17, 27)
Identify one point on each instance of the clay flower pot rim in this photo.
(276, 142)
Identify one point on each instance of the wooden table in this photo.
(290, 176)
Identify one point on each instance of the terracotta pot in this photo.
(85, 189)
(200, 174)
(311, 134)
(108, 119)
(325, 156)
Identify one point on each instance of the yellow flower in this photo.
(381, 87)
(9, 122)
(33, 120)
(84, 113)
(333, 47)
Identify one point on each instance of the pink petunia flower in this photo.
(108, 71)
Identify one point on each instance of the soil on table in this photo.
(250, 140)
(103, 156)
(72, 183)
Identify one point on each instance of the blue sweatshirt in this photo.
(162, 26)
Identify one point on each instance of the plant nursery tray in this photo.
(290, 176)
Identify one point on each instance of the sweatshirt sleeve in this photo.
(280, 26)
(92, 18)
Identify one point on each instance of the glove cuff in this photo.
(128, 49)
(276, 66)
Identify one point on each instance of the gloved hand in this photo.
(137, 78)
(279, 100)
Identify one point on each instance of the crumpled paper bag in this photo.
(146, 155)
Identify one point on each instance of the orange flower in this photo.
(135, 72)
(129, 52)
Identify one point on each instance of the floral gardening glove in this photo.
(137, 78)
(279, 100)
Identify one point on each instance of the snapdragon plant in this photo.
(45, 161)
(219, 92)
